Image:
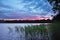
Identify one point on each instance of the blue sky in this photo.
(24, 8)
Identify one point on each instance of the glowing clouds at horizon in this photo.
(29, 18)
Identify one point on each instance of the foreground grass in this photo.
(55, 30)
(40, 32)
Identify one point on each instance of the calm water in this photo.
(7, 31)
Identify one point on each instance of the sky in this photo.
(25, 9)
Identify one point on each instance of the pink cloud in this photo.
(29, 18)
(36, 18)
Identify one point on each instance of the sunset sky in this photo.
(21, 9)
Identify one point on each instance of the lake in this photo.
(7, 31)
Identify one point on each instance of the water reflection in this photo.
(26, 31)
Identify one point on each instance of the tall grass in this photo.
(39, 32)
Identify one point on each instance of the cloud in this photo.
(24, 8)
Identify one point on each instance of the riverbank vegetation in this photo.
(45, 31)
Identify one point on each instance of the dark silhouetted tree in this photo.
(56, 7)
